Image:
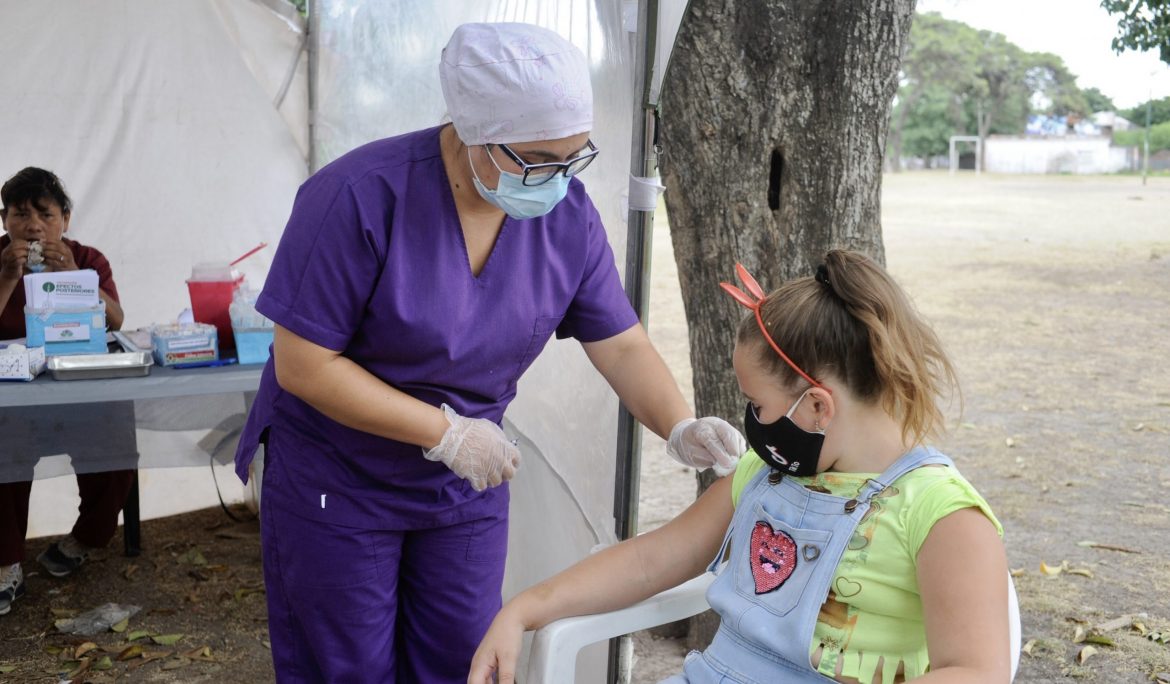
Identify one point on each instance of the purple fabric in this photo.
(350, 605)
(373, 264)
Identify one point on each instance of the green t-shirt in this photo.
(874, 610)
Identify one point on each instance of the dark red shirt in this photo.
(12, 318)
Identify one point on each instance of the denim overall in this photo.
(787, 543)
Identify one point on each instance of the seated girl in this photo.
(853, 551)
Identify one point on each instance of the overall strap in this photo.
(758, 481)
(915, 458)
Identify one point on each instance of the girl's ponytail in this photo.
(854, 322)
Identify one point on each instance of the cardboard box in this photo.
(184, 343)
(67, 330)
(18, 362)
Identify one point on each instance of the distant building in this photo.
(1077, 154)
(1057, 144)
(1110, 122)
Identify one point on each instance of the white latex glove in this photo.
(708, 442)
(476, 450)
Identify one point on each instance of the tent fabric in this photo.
(181, 130)
(162, 120)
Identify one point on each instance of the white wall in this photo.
(1066, 154)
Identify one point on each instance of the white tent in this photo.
(182, 129)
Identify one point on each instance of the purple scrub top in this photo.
(373, 264)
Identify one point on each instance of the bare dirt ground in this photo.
(1053, 296)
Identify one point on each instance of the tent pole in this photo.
(643, 162)
(311, 26)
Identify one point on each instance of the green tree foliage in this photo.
(1098, 101)
(980, 83)
(1159, 112)
(1142, 25)
(1159, 137)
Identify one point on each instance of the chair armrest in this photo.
(553, 658)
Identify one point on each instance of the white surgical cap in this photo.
(509, 83)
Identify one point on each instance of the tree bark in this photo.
(774, 117)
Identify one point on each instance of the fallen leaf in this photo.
(63, 612)
(130, 570)
(1046, 569)
(1159, 637)
(1019, 572)
(56, 650)
(137, 634)
(104, 663)
(175, 664)
(1078, 635)
(193, 557)
(1009, 442)
(1116, 623)
(1106, 547)
(1100, 640)
(5, 669)
(129, 653)
(166, 639)
(120, 626)
(1139, 427)
(247, 591)
(1085, 653)
(1027, 648)
(1083, 572)
(83, 649)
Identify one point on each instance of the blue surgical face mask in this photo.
(518, 200)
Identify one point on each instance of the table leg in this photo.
(130, 518)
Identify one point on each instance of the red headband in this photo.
(755, 305)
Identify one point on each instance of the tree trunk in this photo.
(774, 121)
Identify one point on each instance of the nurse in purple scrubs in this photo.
(417, 279)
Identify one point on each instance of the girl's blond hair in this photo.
(855, 323)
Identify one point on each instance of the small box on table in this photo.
(18, 362)
(252, 344)
(67, 330)
(184, 343)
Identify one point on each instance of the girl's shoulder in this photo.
(929, 494)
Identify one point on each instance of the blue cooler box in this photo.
(252, 344)
(67, 331)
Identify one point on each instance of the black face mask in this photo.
(783, 445)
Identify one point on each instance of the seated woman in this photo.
(36, 212)
(854, 552)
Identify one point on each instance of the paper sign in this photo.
(70, 331)
(64, 290)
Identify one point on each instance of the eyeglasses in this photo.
(539, 174)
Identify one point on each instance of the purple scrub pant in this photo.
(355, 605)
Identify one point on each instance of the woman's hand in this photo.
(58, 256)
(476, 450)
(708, 442)
(12, 260)
(498, 651)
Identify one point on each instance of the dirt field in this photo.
(1053, 295)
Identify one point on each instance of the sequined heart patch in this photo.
(773, 557)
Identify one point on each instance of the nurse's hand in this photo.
(708, 442)
(476, 450)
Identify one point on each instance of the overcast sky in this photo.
(1077, 30)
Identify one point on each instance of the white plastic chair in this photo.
(553, 657)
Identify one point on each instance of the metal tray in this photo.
(97, 366)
